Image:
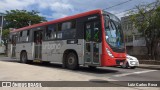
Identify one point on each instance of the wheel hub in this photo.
(70, 60)
(23, 58)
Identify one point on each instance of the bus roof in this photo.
(59, 20)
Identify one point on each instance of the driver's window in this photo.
(107, 23)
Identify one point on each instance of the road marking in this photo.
(140, 72)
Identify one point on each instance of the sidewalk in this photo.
(148, 66)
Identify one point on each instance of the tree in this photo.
(5, 36)
(18, 19)
(22, 18)
(146, 19)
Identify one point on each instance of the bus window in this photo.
(69, 29)
(28, 33)
(21, 33)
(50, 32)
(59, 33)
(96, 31)
(24, 36)
(66, 25)
(88, 32)
(69, 25)
(21, 36)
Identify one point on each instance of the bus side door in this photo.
(92, 44)
(38, 44)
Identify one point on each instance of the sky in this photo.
(54, 9)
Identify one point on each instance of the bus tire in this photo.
(72, 61)
(23, 57)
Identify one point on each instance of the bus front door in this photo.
(38, 45)
(13, 46)
(92, 32)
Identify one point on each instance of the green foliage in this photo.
(22, 18)
(5, 33)
(146, 19)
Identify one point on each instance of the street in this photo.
(11, 70)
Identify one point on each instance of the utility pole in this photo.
(1, 30)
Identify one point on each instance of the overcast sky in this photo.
(53, 9)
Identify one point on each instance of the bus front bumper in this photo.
(108, 61)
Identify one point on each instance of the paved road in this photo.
(12, 70)
(117, 73)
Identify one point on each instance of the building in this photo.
(2, 22)
(2, 47)
(135, 43)
(1, 26)
(1, 16)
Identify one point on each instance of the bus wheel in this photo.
(72, 61)
(23, 57)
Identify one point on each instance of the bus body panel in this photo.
(54, 50)
(24, 47)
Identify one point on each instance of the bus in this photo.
(93, 39)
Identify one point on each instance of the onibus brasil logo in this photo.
(21, 84)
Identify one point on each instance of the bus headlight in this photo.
(109, 53)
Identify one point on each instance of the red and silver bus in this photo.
(92, 38)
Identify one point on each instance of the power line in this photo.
(132, 9)
(118, 4)
(125, 11)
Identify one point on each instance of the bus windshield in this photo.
(113, 31)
